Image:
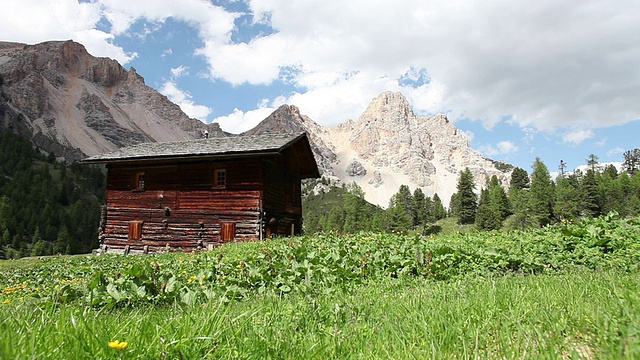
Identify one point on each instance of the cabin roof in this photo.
(216, 147)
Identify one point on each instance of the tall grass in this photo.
(584, 315)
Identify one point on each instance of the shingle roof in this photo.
(212, 147)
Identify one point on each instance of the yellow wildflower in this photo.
(117, 344)
(6, 301)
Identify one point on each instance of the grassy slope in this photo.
(508, 317)
(584, 302)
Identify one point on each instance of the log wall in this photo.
(179, 208)
(282, 202)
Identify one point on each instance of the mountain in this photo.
(73, 105)
(389, 146)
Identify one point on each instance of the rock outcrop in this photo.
(392, 146)
(86, 103)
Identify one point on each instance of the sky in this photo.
(555, 79)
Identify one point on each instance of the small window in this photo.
(227, 232)
(139, 180)
(220, 178)
(135, 229)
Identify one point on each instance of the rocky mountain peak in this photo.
(286, 118)
(389, 146)
(83, 102)
(388, 107)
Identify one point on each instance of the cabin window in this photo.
(228, 231)
(135, 229)
(219, 178)
(139, 184)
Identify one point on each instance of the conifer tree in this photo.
(401, 202)
(609, 191)
(437, 210)
(589, 202)
(485, 218)
(398, 220)
(541, 194)
(631, 160)
(592, 162)
(567, 198)
(493, 206)
(519, 180)
(466, 199)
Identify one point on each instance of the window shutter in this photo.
(228, 231)
(135, 229)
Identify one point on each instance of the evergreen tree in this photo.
(631, 160)
(592, 162)
(485, 218)
(519, 180)
(520, 207)
(401, 208)
(493, 207)
(63, 241)
(567, 200)
(4, 211)
(355, 214)
(453, 204)
(541, 194)
(611, 171)
(589, 204)
(335, 219)
(421, 207)
(398, 220)
(609, 191)
(466, 199)
(499, 199)
(404, 200)
(562, 167)
(437, 210)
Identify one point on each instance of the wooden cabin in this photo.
(190, 195)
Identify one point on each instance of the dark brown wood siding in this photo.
(179, 207)
(282, 206)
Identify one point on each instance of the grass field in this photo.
(570, 292)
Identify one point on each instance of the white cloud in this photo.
(615, 151)
(167, 52)
(488, 150)
(34, 21)
(549, 64)
(179, 71)
(501, 148)
(552, 64)
(183, 99)
(469, 134)
(576, 137)
(239, 121)
(507, 147)
(601, 143)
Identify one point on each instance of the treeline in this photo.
(343, 209)
(536, 200)
(531, 200)
(46, 207)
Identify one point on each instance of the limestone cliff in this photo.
(82, 102)
(389, 146)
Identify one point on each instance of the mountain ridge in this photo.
(73, 105)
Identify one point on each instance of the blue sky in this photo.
(557, 79)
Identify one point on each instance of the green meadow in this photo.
(569, 291)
